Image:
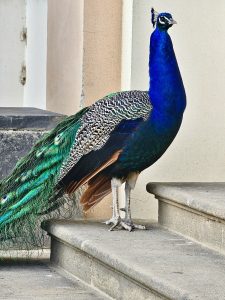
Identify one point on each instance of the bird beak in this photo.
(172, 22)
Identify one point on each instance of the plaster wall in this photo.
(36, 54)
(12, 51)
(84, 63)
(197, 154)
(64, 55)
(102, 48)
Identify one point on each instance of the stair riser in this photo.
(198, 226)
(98, 275)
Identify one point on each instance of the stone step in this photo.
(25, 279)
(28, 118)
(196, 210)
(151, 264)
(20, 129)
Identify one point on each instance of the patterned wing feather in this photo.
(101, 120)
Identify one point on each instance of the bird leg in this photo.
(127, 223)
(115, 220)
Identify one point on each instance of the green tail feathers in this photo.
(30, 192)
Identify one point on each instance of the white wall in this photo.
(36, 53)
(12, 51)
(198, 152)
(127, 49)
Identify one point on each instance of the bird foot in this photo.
(129, 225)
(119, 224)
(115, 221)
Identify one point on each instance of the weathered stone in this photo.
(151, 264)
(196, 210)
(13, 146)
(20, 129)
(34, 279)
(27, 118)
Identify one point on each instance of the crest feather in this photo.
(154, 16)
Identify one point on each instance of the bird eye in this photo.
(162, 20)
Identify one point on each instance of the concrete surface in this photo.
(196, 210)
(20, 129)
(151, 264)
(28, 118)
(35, 279)
(41, 254)
(13, 146)
(206, 197)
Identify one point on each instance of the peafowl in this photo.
(100, 147)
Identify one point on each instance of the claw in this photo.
(114, 226)
(126, 226)
(141, 227)
(118, 223)
(129, 225)
(115, 221)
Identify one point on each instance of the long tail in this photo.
(30, 192)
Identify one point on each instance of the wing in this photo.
(104, 120)
(90, 168)
(95, 161)
(106, 129)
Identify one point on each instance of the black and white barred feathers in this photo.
(101, 119)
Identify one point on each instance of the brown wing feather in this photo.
(98, 188)
(75, 185)
(98, 185)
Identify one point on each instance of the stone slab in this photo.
(154, 264)
(35, 279)
(207, 197)
(196, 210)
(13, 146)
(192, 224)
(29, 118)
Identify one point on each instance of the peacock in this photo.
(100, 147)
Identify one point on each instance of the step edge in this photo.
(193, 210)
(162, 192)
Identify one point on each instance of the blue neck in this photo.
(166, 90)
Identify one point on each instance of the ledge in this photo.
(208, 198)
(27, 118)
(165, 264)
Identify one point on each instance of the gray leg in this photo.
(127, 223)
(115, 220)
(127, 202)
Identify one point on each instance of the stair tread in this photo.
(157, 258)
(28, 118)
(207, 197)
(34, 279)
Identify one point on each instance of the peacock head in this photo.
(162, 21)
